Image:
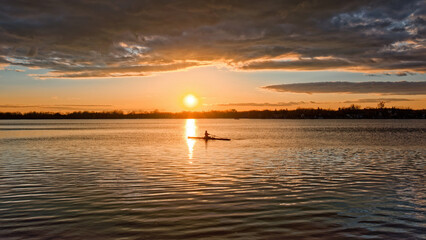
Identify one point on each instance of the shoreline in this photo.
(341, 113)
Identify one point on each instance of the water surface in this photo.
(276, 179)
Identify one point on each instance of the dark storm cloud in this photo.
(101, 38)
(386, 88)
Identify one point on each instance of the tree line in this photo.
(352, 112)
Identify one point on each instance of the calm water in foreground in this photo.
(276, 179)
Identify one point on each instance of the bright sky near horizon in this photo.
(141, 56)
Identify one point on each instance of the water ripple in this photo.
(135, 179)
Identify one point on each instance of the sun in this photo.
(190, 101)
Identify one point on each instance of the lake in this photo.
(276, 179)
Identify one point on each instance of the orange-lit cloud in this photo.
(376, 100)
(56, 107)
(312, 103)
(117, 71)
(266, 104)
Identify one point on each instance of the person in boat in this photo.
(206, 134)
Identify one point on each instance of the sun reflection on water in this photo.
(190, 132)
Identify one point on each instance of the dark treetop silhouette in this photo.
(352, 112)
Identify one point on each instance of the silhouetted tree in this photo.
(381, 104)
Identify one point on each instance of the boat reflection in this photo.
(190, 128)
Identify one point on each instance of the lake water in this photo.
(276, 179)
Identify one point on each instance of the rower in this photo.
(206, 134)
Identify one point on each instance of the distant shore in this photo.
(318, 113)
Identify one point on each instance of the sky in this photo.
(133, 55)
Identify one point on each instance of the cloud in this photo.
(14, 70)
(121, 71)
(376, 100)
(311, 64)
(387, 88)
(100, 38)
(288, 104)
(398, 74)
(75, 107)
(279, 104)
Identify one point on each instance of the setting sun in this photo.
(190, 101)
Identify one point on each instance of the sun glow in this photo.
(190, 101)
(190, 132)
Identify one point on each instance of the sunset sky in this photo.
(144, 55)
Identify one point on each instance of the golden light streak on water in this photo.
(190, 132)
